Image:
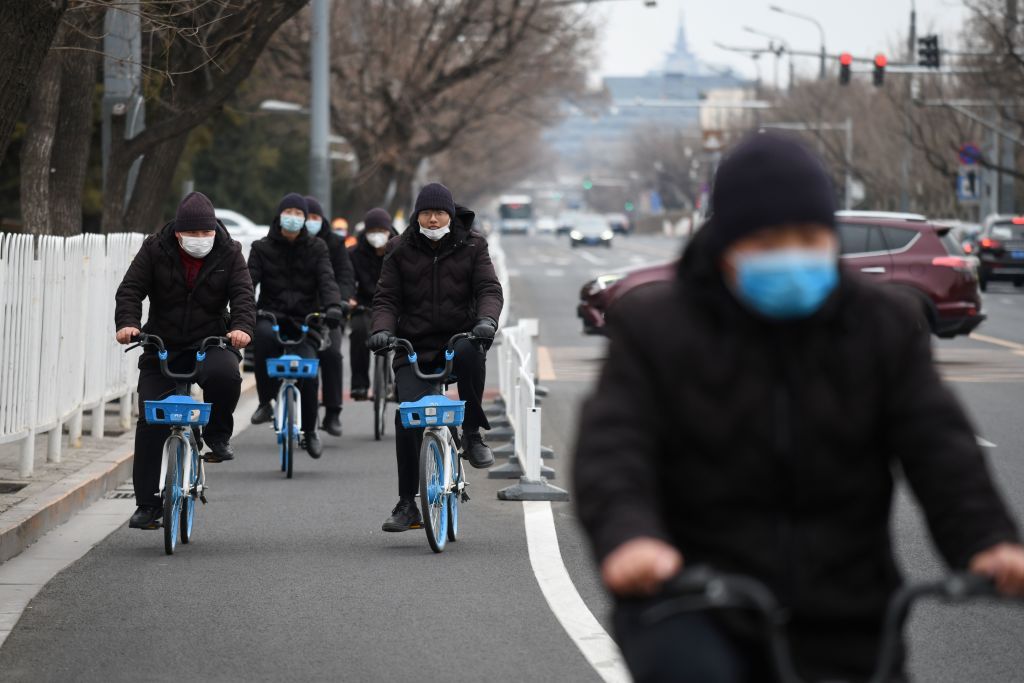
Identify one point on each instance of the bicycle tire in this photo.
(289, 424)
(380, 397)
(454, 498)
(172, 491)
(433, 499)
(188, 507)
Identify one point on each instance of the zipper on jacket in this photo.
(437, 296)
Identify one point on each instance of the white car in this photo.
(546, 225)
(241, 228)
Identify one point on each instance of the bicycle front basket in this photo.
(432, 411)
(178, 410)
(292, 367)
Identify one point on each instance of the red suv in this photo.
(901, 250)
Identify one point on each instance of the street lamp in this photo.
(783, 46)
(821, 32)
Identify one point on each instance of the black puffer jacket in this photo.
(427, 294)
(182, 318)
(769, 449)
(367, 265)
(341, 264)
(295, 278)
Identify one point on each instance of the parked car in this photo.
(241, 228)
(1001, 250)
(898, 250)
(591, 229)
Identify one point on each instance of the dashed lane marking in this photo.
(545, 368)
(997, 341)
(564, 600)
(985, 443)
(554, 272)
(587, 256)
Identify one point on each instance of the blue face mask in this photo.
(313, 226)
(786, 284)
(292, 223)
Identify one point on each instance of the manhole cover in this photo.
(11, 486)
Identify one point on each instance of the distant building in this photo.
(586, 141)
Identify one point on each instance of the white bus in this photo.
(515, 213)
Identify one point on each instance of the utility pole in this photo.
(1008, 155)
(320, 106)
(907, 123)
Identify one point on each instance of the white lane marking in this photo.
(637, 260)
(545, 366)
(514, 272)
(593, 259)
(1007, 301)
(554, 272)
(984, 443)
(996, 341)
(565, 602)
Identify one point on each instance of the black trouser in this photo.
(470, 369)
(358, 354)
(221, 382)
(331, 370)
(265, 346)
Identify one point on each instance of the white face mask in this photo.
(436, 233)
(377, 239)
(196, 247)
(313, 226)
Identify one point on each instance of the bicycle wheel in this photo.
(455, 498)
(380, 396)
(188, 506)
(290, 422)
(433, 499)
(174, 452)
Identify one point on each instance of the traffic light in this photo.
(588, 184)
(880, 62)
(928, 52)
(845, 60)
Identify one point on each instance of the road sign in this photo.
(968, 185)
(970, 154)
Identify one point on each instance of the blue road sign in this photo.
(968, 184)
(970, 154)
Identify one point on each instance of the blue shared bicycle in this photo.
(290, 368)
(182, 473)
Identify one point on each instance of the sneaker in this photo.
(311, 442)
(478, 453)
(359, 394)
(405, 516)
(146, 517)
(265, 413)
(332, 422)
(219, 452)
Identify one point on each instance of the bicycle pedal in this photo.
(202, 497)
(465, 496)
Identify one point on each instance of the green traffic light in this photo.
(629, 206)
(587, 185)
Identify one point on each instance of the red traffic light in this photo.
(846, 59)
(881, 61)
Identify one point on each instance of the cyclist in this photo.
(367, 261)
(437, 280)
(749, 417)
(198, 286)
(293, 271)
(331, 362)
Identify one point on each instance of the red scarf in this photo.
(192, 266)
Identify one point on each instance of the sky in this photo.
(636, 38)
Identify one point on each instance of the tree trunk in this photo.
(156, 173)
(79, 70)
(37, 148)
(34, 23)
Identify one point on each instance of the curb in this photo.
(26, 522)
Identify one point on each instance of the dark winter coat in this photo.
(221, 298)
(341, 264)
(295, 278)
(367, 265)
(770, 449)
(428, 294)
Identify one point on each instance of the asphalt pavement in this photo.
(293, 580)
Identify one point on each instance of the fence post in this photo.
(75, 428)
(53, 443)
(532, 485)
(126, 410)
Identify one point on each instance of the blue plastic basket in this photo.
(292, 367)
(432, 411)
(178, 410)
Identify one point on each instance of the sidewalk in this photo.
(57, 491)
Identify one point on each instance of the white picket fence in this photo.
(58, 356)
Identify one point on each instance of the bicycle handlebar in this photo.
(702, 588)
(162, 355)
(312, 317)
(449, 356)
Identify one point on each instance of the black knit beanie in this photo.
(293, 200)
(437, 197)
(768, 179)
(313, 206)
(195, 213)
(377, 218)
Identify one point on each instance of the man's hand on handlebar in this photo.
(239, 339)
(126, 334)
(379, 341)
(1005, 564)
(333, 316)
(640, 566)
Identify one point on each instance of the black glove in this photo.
(333, 317)
(485, 329)
(379, 341)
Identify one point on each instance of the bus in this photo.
(515, 213)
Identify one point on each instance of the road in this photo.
(293, 580)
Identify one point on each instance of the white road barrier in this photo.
(58, 356)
